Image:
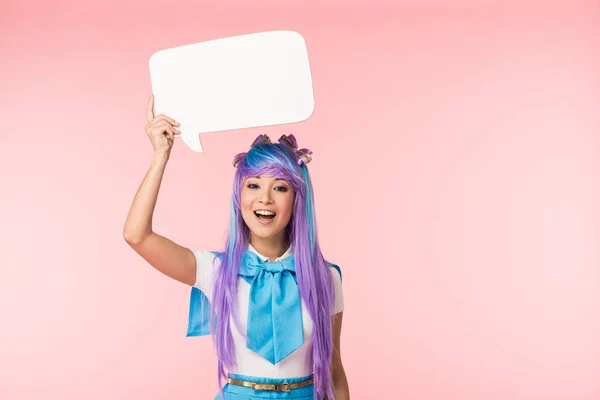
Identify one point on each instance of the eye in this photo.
(251, 184)
(283, 188)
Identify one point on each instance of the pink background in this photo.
(456, 174)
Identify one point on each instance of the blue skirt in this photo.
(235, 392)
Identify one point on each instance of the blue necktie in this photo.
(274, 310)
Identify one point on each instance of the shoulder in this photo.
(207, 263)
(206, 256)
(336, 273)
(335, 270)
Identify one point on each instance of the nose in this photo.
(265, 196)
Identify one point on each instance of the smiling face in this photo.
(270, 196)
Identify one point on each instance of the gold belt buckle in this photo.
(283, 387)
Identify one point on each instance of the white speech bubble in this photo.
(245, 81)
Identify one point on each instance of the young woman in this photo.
(270, 300)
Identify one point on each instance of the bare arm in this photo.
(171, 259)
(138, 224)
(166, 256)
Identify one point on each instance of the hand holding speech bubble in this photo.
(245, 81)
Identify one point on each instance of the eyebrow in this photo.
(258, 177)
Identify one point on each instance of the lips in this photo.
(265, 220)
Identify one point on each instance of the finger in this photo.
(170, 134)
(159, 122)
(150, 109)
(159, 126)
(161, 117)
(171, 120)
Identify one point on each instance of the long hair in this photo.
(314, 279)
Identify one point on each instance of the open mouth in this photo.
(264, 216)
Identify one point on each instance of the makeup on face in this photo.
(270, 200)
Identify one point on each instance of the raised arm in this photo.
(166, 256)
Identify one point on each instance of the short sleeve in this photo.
(206, 267)
(339, 294)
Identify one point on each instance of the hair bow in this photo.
(260, 139)
(304, 155)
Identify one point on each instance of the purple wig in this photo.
(314, 279)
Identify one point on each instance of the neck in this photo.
(270, 247)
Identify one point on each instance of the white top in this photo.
(300, 362)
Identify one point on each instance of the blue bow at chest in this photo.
(274, 309)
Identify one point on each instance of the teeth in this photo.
(264, 212)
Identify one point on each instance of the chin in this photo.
(262, 236)
(260, 230)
